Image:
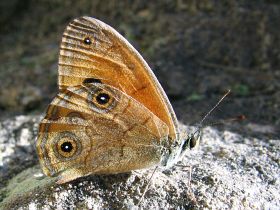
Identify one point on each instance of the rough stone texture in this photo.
(230, 171)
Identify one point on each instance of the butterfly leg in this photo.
(190, 192)
(147, 187)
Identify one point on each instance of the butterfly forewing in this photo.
(92, 49)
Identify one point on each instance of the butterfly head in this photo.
(193, 139)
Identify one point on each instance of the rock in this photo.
(229, 171)
(31, 97)
(21, 97)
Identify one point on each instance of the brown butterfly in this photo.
(111, 115)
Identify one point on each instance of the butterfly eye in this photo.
(192, 142)
(87, 41)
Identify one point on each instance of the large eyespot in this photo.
(101, 100)
(67, 146)
(87, 41)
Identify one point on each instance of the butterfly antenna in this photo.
(147, 186)
(214, 107)
(200, 126)
(237, 118)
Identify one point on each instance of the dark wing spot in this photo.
(66, 146)
(92, 80)
(102, 98)
(87, 41)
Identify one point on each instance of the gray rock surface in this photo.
(230, 171)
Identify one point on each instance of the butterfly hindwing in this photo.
(108, 131)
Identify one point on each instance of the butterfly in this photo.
(111, 114)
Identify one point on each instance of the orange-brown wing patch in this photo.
(92, 49)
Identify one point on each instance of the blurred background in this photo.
(197, 48)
